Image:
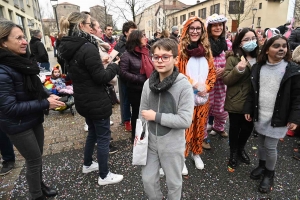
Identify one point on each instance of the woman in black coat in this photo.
(80, 50)
(22, 102)
(136, 67)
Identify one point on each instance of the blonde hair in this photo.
(5, 28)
(71, 23)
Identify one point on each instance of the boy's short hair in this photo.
(128, 25)
(166, 44)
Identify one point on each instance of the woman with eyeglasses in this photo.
(136, 67)
(273, 104)
(22, 102)
(216, 31)
(237, 78)
(89, 78)
(196, 62)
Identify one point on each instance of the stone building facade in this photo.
(98, 12)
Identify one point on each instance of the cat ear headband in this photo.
(272, 32)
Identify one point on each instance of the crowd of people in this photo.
(185, 87)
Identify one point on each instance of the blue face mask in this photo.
(249, 46)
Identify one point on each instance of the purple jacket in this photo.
(130, 66)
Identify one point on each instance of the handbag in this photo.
(140, 146)
(110, 90)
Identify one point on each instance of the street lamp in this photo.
(254, 10)
(54, 8)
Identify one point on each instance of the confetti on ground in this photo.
(254, 148)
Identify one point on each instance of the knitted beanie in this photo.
(174, 28)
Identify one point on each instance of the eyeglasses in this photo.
(249, 39)
(21, 38)
(164, 58)
(192, 29)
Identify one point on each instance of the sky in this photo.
(86, 4)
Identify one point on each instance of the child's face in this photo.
(164, 61)
(277, 50)
(56, 73)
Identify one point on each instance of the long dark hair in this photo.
(238, 50)
(134, 40)
(263, 56)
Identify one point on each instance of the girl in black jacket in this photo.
(80, 50)
(273, 105)
(22, 101)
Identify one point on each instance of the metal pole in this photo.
(253, 21)
(56, 18)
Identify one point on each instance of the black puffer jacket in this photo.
(88, 76)
(18, 111)
(121, 46)
(294, 39)
(287, 104)
(38, 50)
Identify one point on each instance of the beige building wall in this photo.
(98, 12)
(25, 13)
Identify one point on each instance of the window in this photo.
(30, 23)
(258, 21)
(182, 18)
(21, 3)
(202, 13)
(236, 7)
(260, 5)
(215, 9)
(20, 21)
(16, 3)
(1, 12)
(149, 23)
(27, 2)
(192, 14)
(158, 21)
(10, 12)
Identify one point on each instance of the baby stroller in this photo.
(68, 99)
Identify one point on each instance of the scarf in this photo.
(86, 36)
(147, 64)
(156, 86)
(218, 46)
(29, 70)
(195, 50)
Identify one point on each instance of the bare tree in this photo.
(101, 13)
(132, 9)
(240, 10)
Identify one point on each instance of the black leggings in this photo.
(239, 131)
(134, 97)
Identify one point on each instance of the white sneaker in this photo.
(161, 172)
(198, 162)
(86, 127)
(185, 170)
(87, 169)
(208, 127)
(111, 178)
(213, 132)
(111, 123)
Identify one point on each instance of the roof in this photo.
(171, 7)
(67, 3)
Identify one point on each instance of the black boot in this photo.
(232, 163)
(266, 185)
(243, 156)
(47, 191)
(258, 172)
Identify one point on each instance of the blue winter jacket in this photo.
(18, 111)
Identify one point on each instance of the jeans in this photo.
(46, 65)
(55, 51)
(211, 120)
(99, 131)
(134, 97)
(6, 148)
(125, 105)
(30, 145)
(239, 131)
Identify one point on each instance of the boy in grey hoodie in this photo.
(167, 103)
